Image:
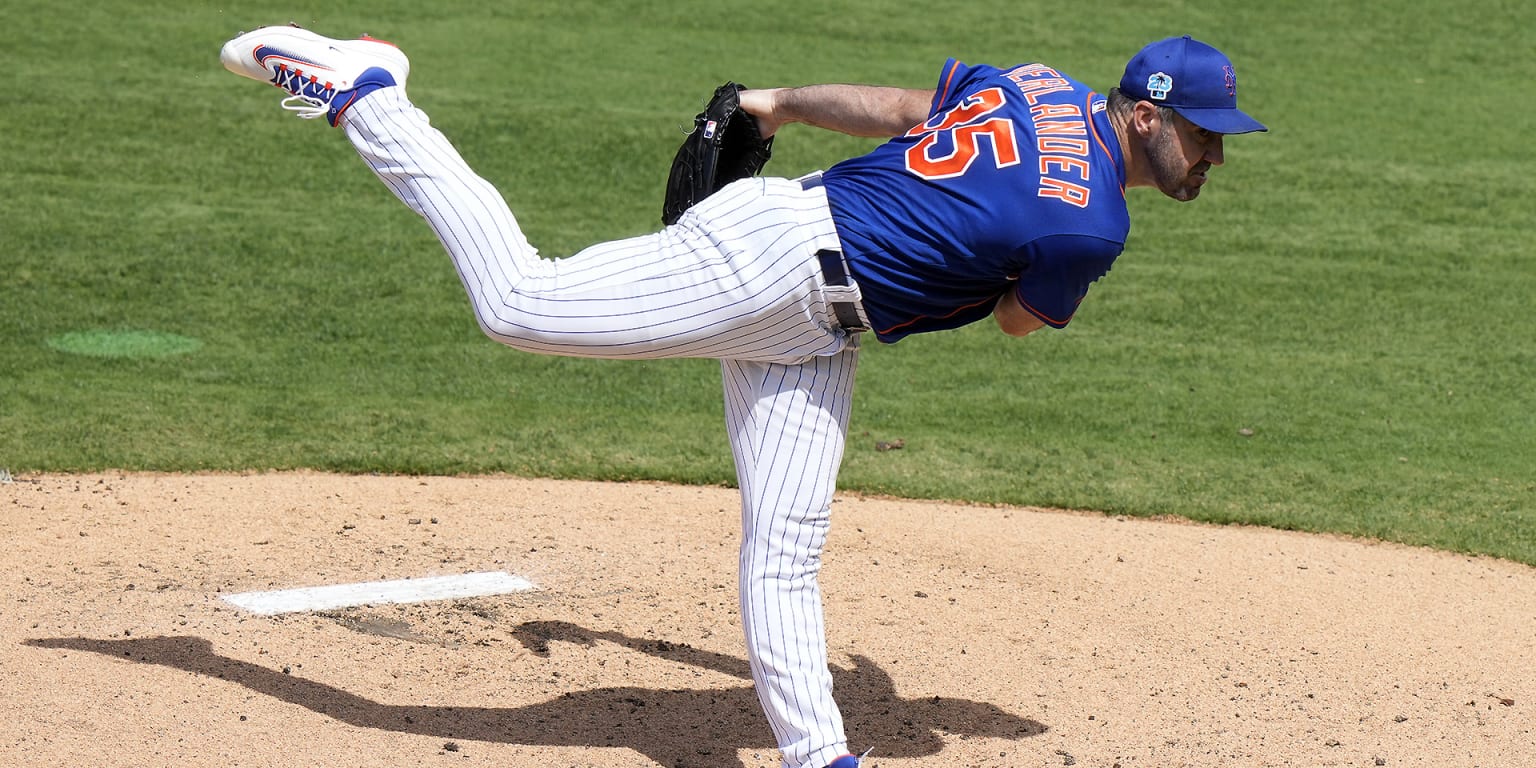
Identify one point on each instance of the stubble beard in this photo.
(1169, 169)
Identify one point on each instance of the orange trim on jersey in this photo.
(1044, 316)
(949, 80)
(958, 310)
(1088, 110)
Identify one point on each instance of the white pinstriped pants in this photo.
(735, 279)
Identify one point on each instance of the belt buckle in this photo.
(834, 270)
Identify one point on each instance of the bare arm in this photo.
(1013, 318)
(875, 111)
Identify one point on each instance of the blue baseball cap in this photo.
(1193, 78)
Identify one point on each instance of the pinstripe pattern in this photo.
(736, 279)
(787, 426)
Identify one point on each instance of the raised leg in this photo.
(737, 277)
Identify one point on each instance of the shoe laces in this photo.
(308, 97)
(306, 108)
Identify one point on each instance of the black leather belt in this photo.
(835, 271)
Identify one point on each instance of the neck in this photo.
(1132, 151)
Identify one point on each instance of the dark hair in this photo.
(1121, 104)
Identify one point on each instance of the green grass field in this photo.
(1336, 337)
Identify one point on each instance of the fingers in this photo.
(762, 104)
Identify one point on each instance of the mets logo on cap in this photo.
(1158, 85)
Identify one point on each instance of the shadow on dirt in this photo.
(677, 727)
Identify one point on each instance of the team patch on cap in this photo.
(1158, 85)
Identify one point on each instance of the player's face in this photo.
(1180, 156)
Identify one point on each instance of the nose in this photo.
(1213, 152)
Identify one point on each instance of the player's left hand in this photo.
(726, 145)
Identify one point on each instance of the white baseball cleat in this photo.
(322, 76)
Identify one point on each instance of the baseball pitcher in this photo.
(999, 193)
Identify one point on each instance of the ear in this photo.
(1145, 119)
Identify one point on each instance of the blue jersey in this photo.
(1015, 182)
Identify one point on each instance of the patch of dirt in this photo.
(961, 636)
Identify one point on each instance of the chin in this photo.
(1184, 194)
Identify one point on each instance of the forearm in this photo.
(858, 110)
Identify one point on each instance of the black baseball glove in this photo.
(724, 146)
